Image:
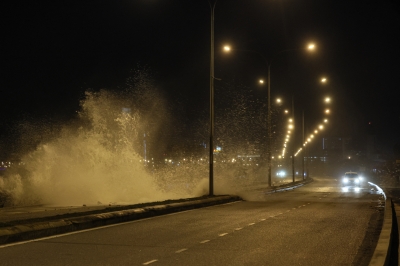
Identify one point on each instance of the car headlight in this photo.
(361, 178)
(345, 180)
(357, 181)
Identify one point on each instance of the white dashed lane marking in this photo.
(224, 234)
(181, 250)
(149, 262)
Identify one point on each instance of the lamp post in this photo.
(302, 163)
(211, 159)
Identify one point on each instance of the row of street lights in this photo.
(310, 47)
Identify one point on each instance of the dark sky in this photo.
(53, 51)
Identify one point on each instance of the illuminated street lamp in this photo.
(324, 80)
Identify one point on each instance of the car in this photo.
(352, 179)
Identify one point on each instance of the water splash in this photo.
(99, 159)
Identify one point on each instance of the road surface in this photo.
(318, 224)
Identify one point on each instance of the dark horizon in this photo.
(54, 52)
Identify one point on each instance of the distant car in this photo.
(352, 179)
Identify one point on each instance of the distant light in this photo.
(261, 81)
(286, 111)
(321, 127)
(327, 111)
(315, 131)
(311, 46)
(323, 80)
(278, 100)
(326, 120)
(227, 48)
(327, 100)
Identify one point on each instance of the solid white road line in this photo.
(106, 226)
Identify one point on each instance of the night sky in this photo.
(53, 51)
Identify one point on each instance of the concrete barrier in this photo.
(383, 251)
(29, 231)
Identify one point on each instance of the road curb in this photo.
(384, 253)
(289, 186)
(381, 254)
(55, 226)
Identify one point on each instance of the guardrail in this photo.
(389, 233)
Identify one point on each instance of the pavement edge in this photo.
(51, 227)
(384, 253)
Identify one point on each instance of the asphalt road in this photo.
(317, 224)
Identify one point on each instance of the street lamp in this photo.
(211, 155)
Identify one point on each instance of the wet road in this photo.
(318, 224)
